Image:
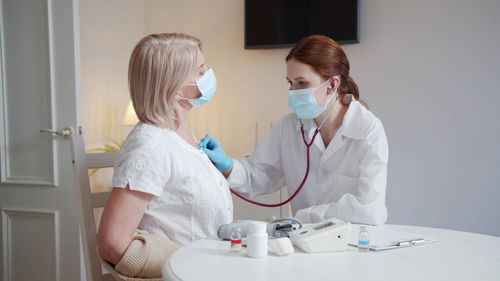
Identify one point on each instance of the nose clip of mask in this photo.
(275, 229)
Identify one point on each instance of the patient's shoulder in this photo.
(144, 137)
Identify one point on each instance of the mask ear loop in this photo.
(329, 111)
(188, 84)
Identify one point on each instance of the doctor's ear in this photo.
(330, 90)
(334, 84)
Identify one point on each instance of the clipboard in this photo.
(386, 239)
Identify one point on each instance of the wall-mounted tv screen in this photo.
(282, 23)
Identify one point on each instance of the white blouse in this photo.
(192, 197)
(347, 179)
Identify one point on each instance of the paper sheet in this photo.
(384, 239)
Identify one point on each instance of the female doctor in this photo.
(348, 156)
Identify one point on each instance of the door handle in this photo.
(66, 131)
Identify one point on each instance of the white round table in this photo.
(459, 256)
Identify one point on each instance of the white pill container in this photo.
(257, 240)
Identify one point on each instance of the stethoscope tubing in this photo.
(308, 146)
(306, 175)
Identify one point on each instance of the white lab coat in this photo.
(347, 179)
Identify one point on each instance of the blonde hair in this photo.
(160, 65)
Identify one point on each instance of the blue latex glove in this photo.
(213, 148)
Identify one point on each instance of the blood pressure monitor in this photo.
(331, 235)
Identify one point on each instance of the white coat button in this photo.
(325, 172)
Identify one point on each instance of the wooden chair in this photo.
(89, 201)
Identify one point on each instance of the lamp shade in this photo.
(130, 118)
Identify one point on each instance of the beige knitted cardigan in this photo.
(143, 259)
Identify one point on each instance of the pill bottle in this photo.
(257, 240)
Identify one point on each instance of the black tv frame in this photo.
(288, 45)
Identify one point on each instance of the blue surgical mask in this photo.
(303, 102)
(207, 85)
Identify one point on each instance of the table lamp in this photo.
(130, 118)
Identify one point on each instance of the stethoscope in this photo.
(308, 146)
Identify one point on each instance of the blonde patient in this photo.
(166, 192)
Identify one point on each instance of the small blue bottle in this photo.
(363, 240)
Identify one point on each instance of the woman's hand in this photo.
(213, 148)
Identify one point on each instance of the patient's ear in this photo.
(179, 95)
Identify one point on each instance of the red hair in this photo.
(327, 58)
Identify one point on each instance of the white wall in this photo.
(430, 70)
(109, 31)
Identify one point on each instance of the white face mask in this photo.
(303, 102)
(207, 85)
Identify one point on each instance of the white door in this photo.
(39, 89)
